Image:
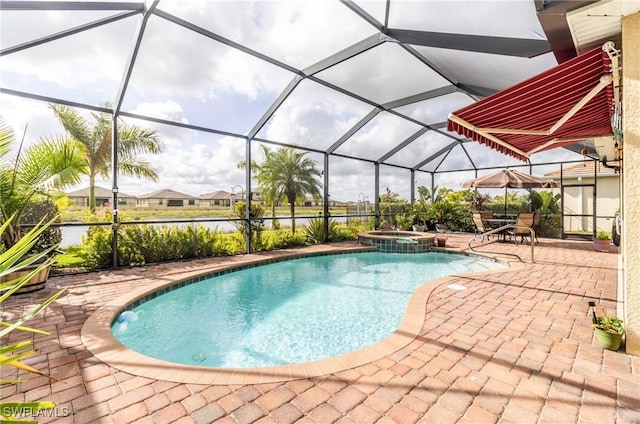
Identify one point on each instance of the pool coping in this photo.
(97, 337)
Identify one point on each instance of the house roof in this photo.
(582, 170)
(166, 193)
(219, 195)
(98, 191)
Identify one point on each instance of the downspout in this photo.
(562, 233)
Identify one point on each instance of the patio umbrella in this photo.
(509, 178)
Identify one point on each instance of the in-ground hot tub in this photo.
(392, 241)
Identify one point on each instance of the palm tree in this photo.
(269, 197)
(288, 174)
(31, 175)
(133, 141)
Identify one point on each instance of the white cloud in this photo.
(93, 59)
(285, 30)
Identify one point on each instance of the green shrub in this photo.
(550, 226)
(256, 222)
(43, 210)
(229, 244)
(142, 244)
(282, 239)
(97, 251)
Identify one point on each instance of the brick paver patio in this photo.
(512, 347)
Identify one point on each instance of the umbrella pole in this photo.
(505, 202)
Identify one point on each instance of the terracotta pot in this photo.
(601, 245)
(441, 242)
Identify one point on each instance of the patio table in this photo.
(499, 222)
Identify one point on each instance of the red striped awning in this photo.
(570, 102)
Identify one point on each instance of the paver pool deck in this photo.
(514, 346)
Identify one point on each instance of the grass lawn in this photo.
(81, 214)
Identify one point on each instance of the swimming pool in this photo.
(286, 312)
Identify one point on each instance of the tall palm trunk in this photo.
(273, 212)
(12, 234)
(292, 209)
(92, 193)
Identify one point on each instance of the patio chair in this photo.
(525, 219)
(481, 226)
(536, 224)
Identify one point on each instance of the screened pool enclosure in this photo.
(365, 87)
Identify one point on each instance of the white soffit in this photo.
(591, 25)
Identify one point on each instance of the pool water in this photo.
(286, 312)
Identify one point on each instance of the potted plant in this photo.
(602, 241)
(29, 175)
(441, 241)
(609, 331)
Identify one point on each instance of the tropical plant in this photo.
(12, 260)
(548, 204)
(404, 221)
(289, 174)
(610, 324)
(544, 202)
(269, 195)
(133, 141)
(421, 210)
(476, 199)
(390, 206)
(30, 175)
(315, 230)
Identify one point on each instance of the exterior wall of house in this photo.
(213, 203)
(156, 203)
(631, 180)
(123, 202)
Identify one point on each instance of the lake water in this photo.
(72, 236)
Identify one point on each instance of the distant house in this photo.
(310, 201)
(216, 198)
(579, 183)
(103, 197)
(166, 198)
